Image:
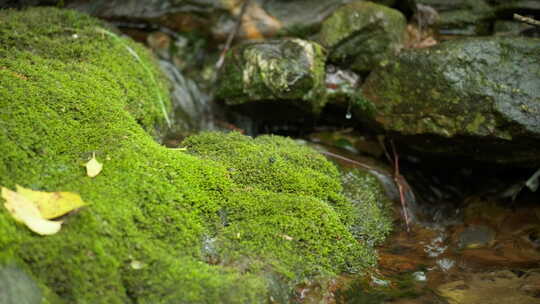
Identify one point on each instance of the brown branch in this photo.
(398, 179)
(527, 20)
(352, 161)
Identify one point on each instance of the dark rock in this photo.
(261, 19)
(462, 17)
(478, 98)
(17, 287)
(362, 35)
(406, 7)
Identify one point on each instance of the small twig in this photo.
(352, 161)
(231, 36)
(527, 20)
(399, 180)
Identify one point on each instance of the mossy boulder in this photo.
(233, 220)
(362, 35)
(286, 71)
(475, 97)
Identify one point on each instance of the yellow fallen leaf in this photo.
(24, 210)
(286, 237)
(93, 167)
(52, 204)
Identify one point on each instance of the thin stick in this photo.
(352, 161)
(527, 20)
(398, 179)
(231, 36)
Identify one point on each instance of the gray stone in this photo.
(278, 70)
(474, 97)
(17, 287)
(362, 35)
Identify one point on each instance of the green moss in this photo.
(271, 208)
(291, 209)
(60, 102)
(374, 221)
(362, 35)
(75, 42)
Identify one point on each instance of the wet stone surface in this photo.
(17, 287)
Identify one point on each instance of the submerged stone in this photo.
(477, 98)
(289, 71)
(362, 35)
(476, 237)
(500, 286)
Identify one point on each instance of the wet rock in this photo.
(475, 97)
(192, 108)
(178, 15)
(362, 35)
(476, 236)
(407, 7)
(17, 287)
(289, 71)
(300, 18)
(218, 18)
(509, 7)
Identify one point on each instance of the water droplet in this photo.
(348, 115)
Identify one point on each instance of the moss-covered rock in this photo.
(474, 97)
(37, 46)
(284, 178)
(282, 71)
(362, 34)
(225, 225)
